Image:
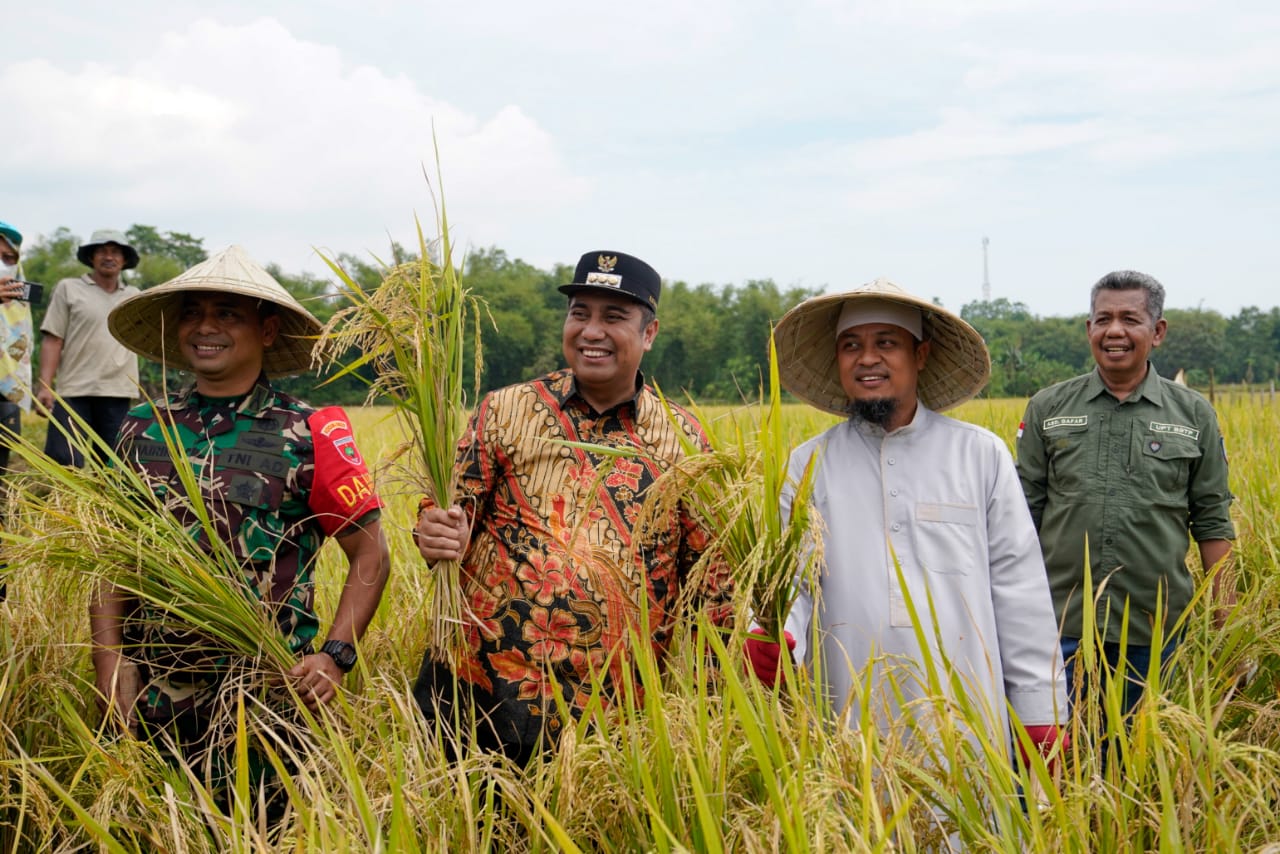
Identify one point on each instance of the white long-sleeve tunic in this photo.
(944, 494)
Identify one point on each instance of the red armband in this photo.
(342, 490)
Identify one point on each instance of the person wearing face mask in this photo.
(15, 350)
(97, 377)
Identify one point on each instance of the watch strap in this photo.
(342, 653)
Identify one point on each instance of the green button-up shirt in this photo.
(1134, 476)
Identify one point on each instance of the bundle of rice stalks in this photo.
(770, 541)
(412, 331)
(103, 523)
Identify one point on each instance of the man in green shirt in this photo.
(1134, 463)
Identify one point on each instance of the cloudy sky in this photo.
(815, 142)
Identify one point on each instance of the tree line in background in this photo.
(714, 339)
(1029, 352)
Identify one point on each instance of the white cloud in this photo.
(820, 140)
(249, 124)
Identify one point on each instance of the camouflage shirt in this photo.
(277, 476)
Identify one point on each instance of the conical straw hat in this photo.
(147, 322)
(957, 368)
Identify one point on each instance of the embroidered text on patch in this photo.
(1176, 429)
(1066, 421)
(336, 424)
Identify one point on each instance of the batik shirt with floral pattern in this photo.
(277, 476)
(554, 576)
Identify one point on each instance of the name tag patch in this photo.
(1176, 429)
(1065, 421)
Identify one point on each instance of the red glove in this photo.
(764, 654)
(1045, 737)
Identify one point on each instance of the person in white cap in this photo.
(97, 378)
(902, 489)
(277, 475)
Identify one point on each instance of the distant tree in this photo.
(182, 248)
(1194, 343)
(981, 311)
(1253, 346)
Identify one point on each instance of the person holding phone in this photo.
(16, 337)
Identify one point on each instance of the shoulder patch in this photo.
(333, 425)
(342, 489)
(1065, 421)
(1176, 429)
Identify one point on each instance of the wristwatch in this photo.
(342, 653)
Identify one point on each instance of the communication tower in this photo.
(986, 279)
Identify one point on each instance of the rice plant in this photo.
(704, 761)
(739, 492)
(417, 331)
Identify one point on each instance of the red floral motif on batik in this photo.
(485, 617)
(571, 537)
(625, 473)
(550, 633)
(514, 669)
(470, 670)
(543, 578)
(581, 477)
(631, 512)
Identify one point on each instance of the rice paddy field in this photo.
(706, 761)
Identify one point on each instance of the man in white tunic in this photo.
(897, 483)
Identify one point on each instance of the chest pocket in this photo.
(946, 538)
(1071, 452)
(1165, 467)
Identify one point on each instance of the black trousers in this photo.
(102, 414)
(471, 718)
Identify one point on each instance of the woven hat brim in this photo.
(957, 369)
(147, 322)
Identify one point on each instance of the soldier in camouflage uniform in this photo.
(277, 477)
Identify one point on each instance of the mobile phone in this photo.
(32, 292)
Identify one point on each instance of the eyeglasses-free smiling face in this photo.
(604, 339)
(881, 361)
(1122, 335)
(224, 337)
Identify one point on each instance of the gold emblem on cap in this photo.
(607, 263)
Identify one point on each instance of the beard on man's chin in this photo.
(878, 412)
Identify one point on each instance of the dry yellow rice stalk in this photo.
(736, 492)
(417, 333)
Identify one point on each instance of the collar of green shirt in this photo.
(1150, 387)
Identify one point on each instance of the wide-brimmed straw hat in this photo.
(102, 237)
(147, 322)
(957, 368)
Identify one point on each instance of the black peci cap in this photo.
(616, 272)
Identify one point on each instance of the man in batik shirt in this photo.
(557, 576)
(276, 475)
